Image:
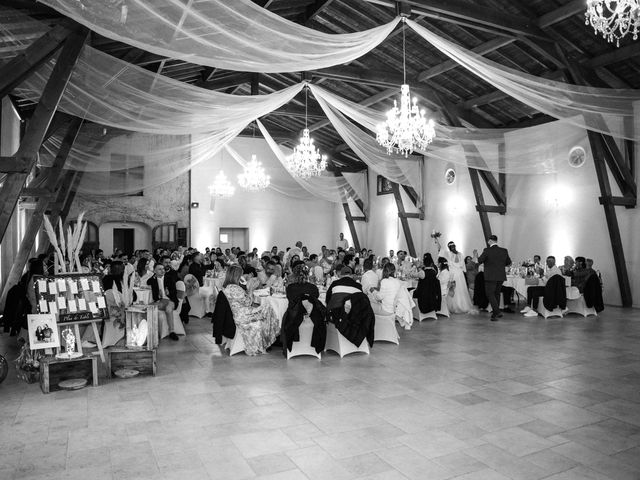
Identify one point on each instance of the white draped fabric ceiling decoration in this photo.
(170, 114)
(234, 35)
(605, 110)
(326, 186)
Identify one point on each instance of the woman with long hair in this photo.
(394, 296)
(258, 332)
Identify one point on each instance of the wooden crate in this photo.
(53, 371)
(133, 316)
(143, 361)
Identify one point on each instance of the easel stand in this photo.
(76, 331)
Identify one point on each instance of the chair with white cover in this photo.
(444, 308)
(235, 344)
(542, 310)
(418, 315)
(385, 329)
(303, 346)
(579, 306)
(342, 346)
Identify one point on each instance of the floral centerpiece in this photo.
(435, 235)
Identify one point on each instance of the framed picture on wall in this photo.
(384, 186)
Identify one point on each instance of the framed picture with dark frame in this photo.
(384, 186)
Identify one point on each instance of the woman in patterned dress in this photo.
(258, 330)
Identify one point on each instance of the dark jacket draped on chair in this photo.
(294, 317)
(555, 293)
(593, 293)
(223, 324)
(359, 323)
(428, 292)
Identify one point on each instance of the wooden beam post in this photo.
(598, 149)
(27, 153)
(352, 227)
(36, 220)
(402, 214)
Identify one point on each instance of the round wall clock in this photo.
(450, 176)
(577, 157)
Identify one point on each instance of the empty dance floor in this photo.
(459, 398)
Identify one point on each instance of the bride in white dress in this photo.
(461, 301)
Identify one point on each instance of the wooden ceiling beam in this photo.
(20, 67)
(312, 11)
(618, 55)
(39, 123)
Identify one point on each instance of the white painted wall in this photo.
(272, 218)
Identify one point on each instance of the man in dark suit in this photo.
(165, 295)
(495, 259)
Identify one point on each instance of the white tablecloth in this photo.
(519, 284)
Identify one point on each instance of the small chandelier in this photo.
(406, 128)
(253, 178)
(221, 187)
(306, 161)
(614, 18)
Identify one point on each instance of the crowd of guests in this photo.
(175, 275)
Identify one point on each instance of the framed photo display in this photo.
(43, 331)
(71, 297)
(384, 186)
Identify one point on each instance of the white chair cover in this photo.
(385, 329)
(342, 346)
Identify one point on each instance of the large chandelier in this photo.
(306, 160)
(253, 178)
(614, 19)
(406, 129)
(221, 187)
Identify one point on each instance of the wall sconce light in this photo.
(195, 204)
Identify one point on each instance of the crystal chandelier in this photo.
(406, 128)
(253, 178)
(221, 187)
(306, 161)
(614, 19)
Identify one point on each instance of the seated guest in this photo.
(251, 279)
(383, 262)
(298, 284)
(289, 266)
(165, 296)
(273, 280)
(394, 296)
(341, 288)
(567, 268)
(197, 269)
(428, 293)
(370, 283)
(535, 292)
(315, 270)
(580, 274)
(261, 269)
(258, 333)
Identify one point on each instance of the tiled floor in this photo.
(461, 398)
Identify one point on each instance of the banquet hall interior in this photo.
(172, 171)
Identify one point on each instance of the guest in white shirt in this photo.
(535, 292)
(394, 296)
(342, 242)
(370, 283)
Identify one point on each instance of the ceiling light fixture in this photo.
(306, 160)
(406, 128)
(613, 19)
